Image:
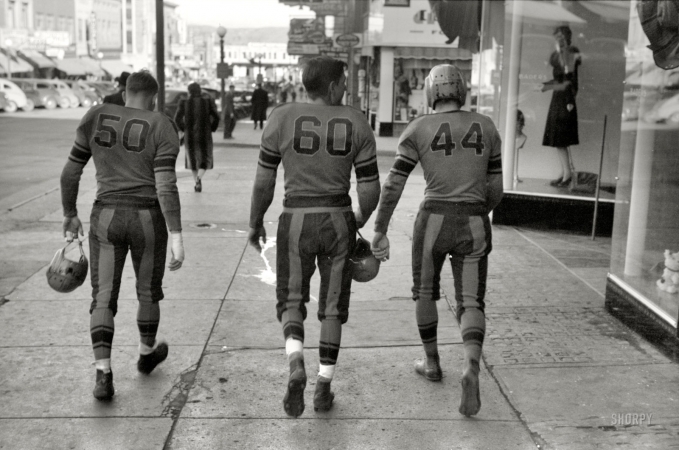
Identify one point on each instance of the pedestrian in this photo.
(260, 103)
(197, 117)
(134, 151)
(317, 142)
(117, 98)
(460, 152)
(520, 141)
(291, 89)
(283, 90)
(229, 112)
(561, 128)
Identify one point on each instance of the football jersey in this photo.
(457, 150)
(134, 153)
(318, 146)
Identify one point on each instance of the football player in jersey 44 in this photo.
(460, 152)
(134, 151)
(318, 143)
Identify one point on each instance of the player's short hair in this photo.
(194, 89)
(319, 72)
(142, 82)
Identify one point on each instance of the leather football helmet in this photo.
(365, 265)
(65, 275)
(445, 82)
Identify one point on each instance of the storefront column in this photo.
(639, 198)
(513, 68)
(385, 114)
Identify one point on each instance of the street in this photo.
(558, 372)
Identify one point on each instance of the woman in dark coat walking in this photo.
(197, 117)
(260, 103)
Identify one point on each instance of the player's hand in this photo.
(72, 228)
(254, 237)
(380, 246)
(360, 221)
(177, 252)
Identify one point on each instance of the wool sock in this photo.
(473, 325)
(427, 316)
(293, 346)
(103, 364)
(326, 371)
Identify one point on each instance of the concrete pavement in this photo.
(558, 372)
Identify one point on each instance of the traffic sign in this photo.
(348, 40)
(223, 70)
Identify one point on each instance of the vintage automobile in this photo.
(87, 95)
(3, 101)
(39, 91)
(16, 98)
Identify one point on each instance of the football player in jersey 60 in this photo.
(134, 151)
(318, 143)
(460, 154)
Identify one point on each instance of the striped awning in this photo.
(437, 53)
(72, 66)
(37, 58)
(115, 67)
(92, 67)
(15, 65)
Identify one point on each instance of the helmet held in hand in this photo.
(365, 265)
(65, 275)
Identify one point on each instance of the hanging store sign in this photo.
(348, 40)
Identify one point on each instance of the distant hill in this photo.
(241, 36)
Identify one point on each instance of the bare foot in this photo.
(470, 402)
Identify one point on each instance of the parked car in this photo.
(87, 96)
(102, 88)
(68, 97)
(40, 93)
(3, 101)
(15, 96)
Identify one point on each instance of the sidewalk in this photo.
(558, 371)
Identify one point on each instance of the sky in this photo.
(239, 13)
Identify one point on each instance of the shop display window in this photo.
(560, 67)
(645, 237)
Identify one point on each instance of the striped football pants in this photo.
(116, 226)
(463, 233)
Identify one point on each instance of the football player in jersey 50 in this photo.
(318, 143)
(134, 151)
(460, 152)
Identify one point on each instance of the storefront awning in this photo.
(115, 67)
(72, 66)
(438, 53)
(609, 10)
(37, 58)
(16, 65)
(92, 67)
(546, 11)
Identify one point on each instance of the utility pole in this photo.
(160, 54)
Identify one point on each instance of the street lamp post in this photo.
(8, 44)
(100, 56)
(221, 32)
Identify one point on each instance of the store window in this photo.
(559, 68)
(645, 238)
